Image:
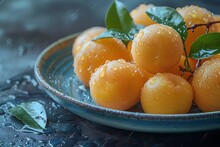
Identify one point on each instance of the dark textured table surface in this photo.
(26, 28)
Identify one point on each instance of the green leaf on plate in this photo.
(205, 46)
(32, 114)
(119, 23)
(169, 16)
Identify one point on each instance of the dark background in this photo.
(26, 28)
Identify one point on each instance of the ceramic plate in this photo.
(54, 71)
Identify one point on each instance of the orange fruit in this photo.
(166, 94)
(117, 85)
(84, 37)
(157, 48)
(139, 15)
(95, 53)
(206, 86)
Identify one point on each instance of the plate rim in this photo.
(119, 113)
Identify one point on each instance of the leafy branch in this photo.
(205, 46)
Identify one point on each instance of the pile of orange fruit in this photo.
(147, 69)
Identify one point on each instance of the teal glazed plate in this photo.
(55, 73)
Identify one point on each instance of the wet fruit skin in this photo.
(176, 69)
(95, 53)
(156, 48)
(217, 56)
(206, 86)
(139, 15)
(117, 85)
(195, 15)
(129, 51)
(166, 94)
(146, 74)
(84, 37)
(217, 18)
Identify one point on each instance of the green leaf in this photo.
(32, 114)
(118, 17)
(169, 16)
(119, 24)
(134, 30)
(114, 34)
(124, 37)
(205, 46)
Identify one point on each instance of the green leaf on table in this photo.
(170, 17)
(205, 46)
(119, 23)
(32, 114)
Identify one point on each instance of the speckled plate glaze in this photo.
(54, 71)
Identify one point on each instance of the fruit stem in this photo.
(198, 63)
(186, 62)
(208, 25)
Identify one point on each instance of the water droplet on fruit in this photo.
(107, 61)
(82, 57)
(153, 81)
(137, 52)
(205, 19)
(156, 57)
(102, 72)
(121, 61)
(140, 34)
(189, 23)
(193, 15)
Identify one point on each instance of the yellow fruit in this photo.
(206, 86)
(116, 85)
(195, 15)
(139, 15)
(157, 48)
(95, 53)
(86, 36)
(166, 94)
(176, 69)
